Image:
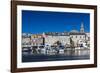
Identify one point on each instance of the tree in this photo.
(72, 43)
(58, 43)
(72, 47)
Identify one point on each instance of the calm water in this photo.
(38, 58)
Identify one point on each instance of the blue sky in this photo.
(44, 21)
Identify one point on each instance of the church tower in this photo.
(82, 28)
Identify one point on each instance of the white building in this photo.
(26, 40)
(54, 37)
(47, 43)
(64, 37)
(51, 38)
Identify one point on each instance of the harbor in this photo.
(56, 46)
(53, 54)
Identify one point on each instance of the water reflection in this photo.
(42, 54)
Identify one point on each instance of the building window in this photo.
(80, 37)
(83, 37)
(76, 36)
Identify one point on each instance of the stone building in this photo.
(64, 37)
(50, 38)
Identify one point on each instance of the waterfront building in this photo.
(36, 39)
(65, 38)
(26, 39)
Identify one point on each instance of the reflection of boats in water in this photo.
(54, 53)
(55, 50)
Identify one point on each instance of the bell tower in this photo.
(82, 28)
